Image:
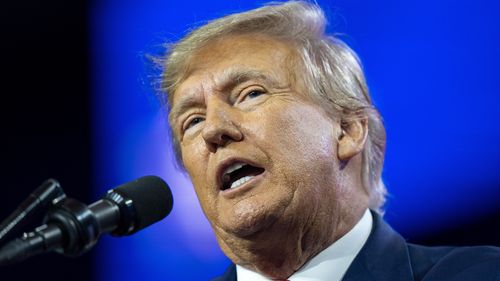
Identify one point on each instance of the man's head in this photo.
(274, 124)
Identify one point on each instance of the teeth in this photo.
(233, 168)
(241, 181)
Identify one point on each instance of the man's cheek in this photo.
(208, 204)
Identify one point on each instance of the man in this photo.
(274, 124)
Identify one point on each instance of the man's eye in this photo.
(255, 93)
(193, 122)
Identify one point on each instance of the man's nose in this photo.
(220, 126)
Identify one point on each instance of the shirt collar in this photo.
(330, 264)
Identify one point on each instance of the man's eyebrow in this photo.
(230, 79)
(183, 105)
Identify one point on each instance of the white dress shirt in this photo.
(329, 265)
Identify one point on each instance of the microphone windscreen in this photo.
(151, 197)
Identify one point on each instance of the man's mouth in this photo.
(237, 174)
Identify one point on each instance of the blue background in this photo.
(432, 68)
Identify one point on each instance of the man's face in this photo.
(259, 153)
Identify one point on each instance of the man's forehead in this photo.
(243, 51)
(229, 61)
(234, 44)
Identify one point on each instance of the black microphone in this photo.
(72, 228)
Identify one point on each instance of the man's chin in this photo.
(249, 226)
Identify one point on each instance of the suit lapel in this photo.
(383, 257)
(229, 275)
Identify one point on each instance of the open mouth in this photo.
(238, 174)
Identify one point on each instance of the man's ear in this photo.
(352, 138)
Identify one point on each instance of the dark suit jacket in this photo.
(387, 256)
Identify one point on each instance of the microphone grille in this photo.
(151, 197)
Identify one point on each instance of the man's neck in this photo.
(331, 262)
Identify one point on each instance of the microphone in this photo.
(73, 228)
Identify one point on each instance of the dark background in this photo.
(45, 117)
(46, 126)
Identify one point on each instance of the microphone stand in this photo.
(46, 195)
(70, 228)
